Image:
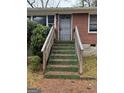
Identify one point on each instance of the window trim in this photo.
(46, 20)
(31, 18)
(89, 24)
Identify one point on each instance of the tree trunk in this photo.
(42, 3)
(31, 4)
(46, 3)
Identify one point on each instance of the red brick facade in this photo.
(81, 20)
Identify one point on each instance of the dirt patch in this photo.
(66, 86)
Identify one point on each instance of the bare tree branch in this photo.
(82, 2)
(58, 3)
(42, 3)
(95, 3)
(31, 4)
(46, 3)
(88, 1)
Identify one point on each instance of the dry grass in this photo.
(33, 77)
(90, 67)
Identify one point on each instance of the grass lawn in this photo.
(90, 67)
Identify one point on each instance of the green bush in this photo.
(38, 37)
(35, 63)
(31, 25)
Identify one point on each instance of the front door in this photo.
(65, 27)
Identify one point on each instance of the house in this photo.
(65, 20)
(63, 48)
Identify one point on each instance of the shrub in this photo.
(35, 63)
(37, 39)
(31, 25)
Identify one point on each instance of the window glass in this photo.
(50, 20)
(93, 23)
(40, 19)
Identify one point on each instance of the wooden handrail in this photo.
(45, 43)
(79, 49)
(78, 37)
(47, 47)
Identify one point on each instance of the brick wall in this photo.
(81, 20)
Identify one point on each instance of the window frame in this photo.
(39, 22)
(89, 24)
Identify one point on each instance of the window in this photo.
(28, 17)
(45, 20)
(93, 23)
(40, 19)
(50, 20)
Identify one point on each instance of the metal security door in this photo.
(65, 27)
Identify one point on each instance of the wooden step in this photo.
(61, 73)
(63, 76)
(63, 60)
(65, 42)
(72, 69)
(63, 51)
(64, 47)
(62, 66)
(63, 63)
(63, 56)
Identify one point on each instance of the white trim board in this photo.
(31, 18)
(71, 25)
(46, 20)
(55, 21)
(58, 25)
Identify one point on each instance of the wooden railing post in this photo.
(44, 61)
(79, 49)
(81, 62)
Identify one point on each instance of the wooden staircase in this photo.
(63, 61)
